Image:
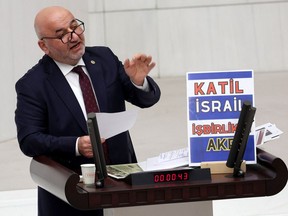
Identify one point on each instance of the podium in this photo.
(267, 177)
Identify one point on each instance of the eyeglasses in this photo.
(77, 27)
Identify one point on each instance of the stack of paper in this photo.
(167, 160)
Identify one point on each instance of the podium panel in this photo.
(267, 177)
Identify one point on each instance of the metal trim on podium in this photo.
(267, 177)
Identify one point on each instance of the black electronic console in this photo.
(98, 153)
(240, 139)
(168, 176)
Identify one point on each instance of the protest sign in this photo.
(214, 102)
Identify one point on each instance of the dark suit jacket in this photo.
(49, 118)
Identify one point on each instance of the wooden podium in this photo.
(266, 178)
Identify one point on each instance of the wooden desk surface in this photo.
(266, 178)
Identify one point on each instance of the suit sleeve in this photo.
(145, 99)
(31, 119)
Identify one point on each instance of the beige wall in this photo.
(187, 35)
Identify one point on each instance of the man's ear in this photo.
(43, 46)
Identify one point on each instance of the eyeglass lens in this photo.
(79, 29)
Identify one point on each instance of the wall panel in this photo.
(199, 35)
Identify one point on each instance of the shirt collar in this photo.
(65, 69)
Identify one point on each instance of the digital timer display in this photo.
(171, 176)
(167, 176)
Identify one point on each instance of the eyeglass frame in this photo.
(73, 31)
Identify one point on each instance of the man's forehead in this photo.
(62, 25)
(59, 23)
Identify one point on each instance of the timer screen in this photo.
(171, 176)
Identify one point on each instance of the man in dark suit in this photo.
(51, 114)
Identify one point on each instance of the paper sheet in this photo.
(267, 132)
(166, 160)
(173, 155)
(111, 124)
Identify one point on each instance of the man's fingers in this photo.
(126, 63)
(151, 66)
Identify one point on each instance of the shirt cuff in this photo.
(145, 87)
(76, 148)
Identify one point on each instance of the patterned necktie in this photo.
(87, 91)
(89, 100)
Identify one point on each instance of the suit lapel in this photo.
(64, 91)
(95, 71)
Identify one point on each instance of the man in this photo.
(51, 112)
